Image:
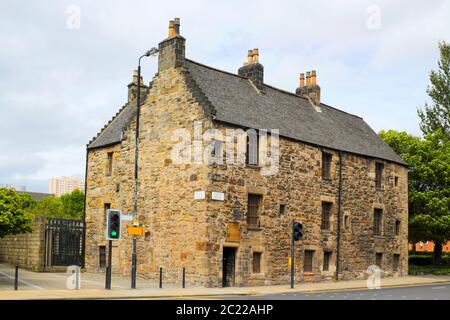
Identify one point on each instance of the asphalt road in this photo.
(424, 292)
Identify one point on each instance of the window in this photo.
(117, 187)
(377, 222)
(326, 165)
(396, 181)
(106, 206)
(379, 259)
(282, 209)
(217, 152)
(346, 221)
(256, 262)
(395, 262)
(326, 209)
(102, 256)
(397, 227)
(252, 154)
(253, 210)
(109, 164)
(308, 265)
(326, 260)
(378, 174)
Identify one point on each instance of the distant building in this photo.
(62, 185)
(428, 246)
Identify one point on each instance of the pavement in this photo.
(33, 285)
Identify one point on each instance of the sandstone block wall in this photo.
(26, 249)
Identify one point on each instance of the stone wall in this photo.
(26, 249)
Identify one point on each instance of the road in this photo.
(423, 292)
(51, 281)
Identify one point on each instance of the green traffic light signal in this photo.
(113, 234)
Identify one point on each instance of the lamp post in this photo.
(151, 52)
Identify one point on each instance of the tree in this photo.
(13, 218)
(73, 204)
(68, 206)
(437, 116)
(428, 183)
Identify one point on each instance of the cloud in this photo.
(59, 85)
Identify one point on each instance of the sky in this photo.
(65, 65)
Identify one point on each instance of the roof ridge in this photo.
(272, 87)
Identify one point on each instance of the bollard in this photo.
(184, 278)
(160, 278)
(16, 278)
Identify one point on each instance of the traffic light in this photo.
(297, 229)
(113, 224)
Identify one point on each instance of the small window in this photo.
(253, 210)
(102, 256)
(326, 165)
(117, 187)
(378, 175)
(109, 164)
(326, 260)
(379, 259)
(217, 152)
(377, 222)
(282, 209)
(398, 223)
(396, 181)
(257, 262)
(326, 211)
(309, 257)
(395, 262)
(346, 222)
(252, 154)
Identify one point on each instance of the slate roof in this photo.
(237, 101)
(112, 132)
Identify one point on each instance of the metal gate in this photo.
(64, 242)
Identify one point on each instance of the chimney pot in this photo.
(255, 55)
(308, 79)
(313, 78)
(171, 28)
(302, 80)
(176, 26)
(250, 57)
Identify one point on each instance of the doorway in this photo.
(228, 267)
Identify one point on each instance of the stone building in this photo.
(230, 223)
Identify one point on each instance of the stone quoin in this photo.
(335, 175)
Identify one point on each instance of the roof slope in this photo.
(112, 132)
(238, 102)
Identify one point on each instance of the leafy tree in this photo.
(13, 218)
(73, 204)
(428, 183)
(68, 206)
(437, 116)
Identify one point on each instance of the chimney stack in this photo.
(311, 90)
(132, 87)
(172, 50)
(253, 69)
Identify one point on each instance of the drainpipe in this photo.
(339, 217)
(84, 210)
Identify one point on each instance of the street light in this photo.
(152, 52)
